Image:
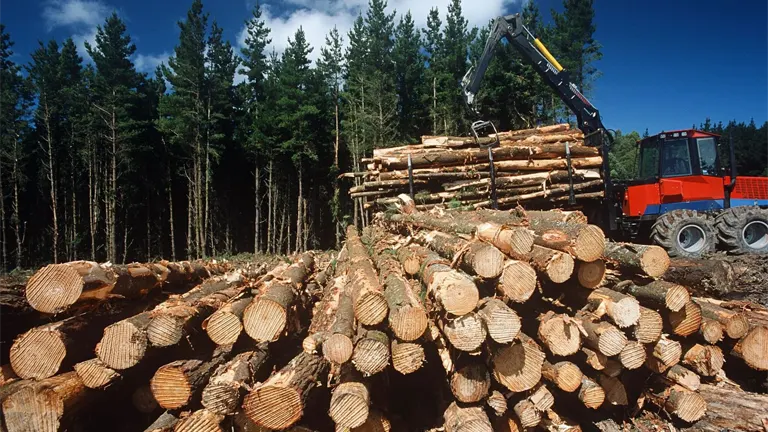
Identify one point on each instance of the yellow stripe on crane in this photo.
(547, 54)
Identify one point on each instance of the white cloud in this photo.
(318, 17)
(64, 13)
(148, 62)
(81, 39)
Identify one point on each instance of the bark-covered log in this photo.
(602, 336)
(649, 326)
(407, 357)
(338, 347)
(753, 348)
(590, 274)
(371, 354)
(623, 310)
(736, 324)
(517, 366)
(454, 291)
(615, 392)
(143, 399)
(470, 419)
(475, 257)
(631, 258)
(731, 408)
(677, 400)
(517, 281)
(686, 321)
(560, 333)
(549, 194)
(712, 277)
(228, 384)
(95, 374)
(202, 420)
(367, 293)
(515, 241)
(279, 402)
(591, 394)
(46, 405)
(174, 384)
(350, 400)
(551, 264)
(657, 293)
(165, 423)
(502, 322)
(56, 287)
(706, 360)
(471, 383)
(565, 375)
(465, 333)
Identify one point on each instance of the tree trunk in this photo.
(565, 375)
(3, 239)
(368, 297)
(682, 403)
(202, 420)
(257, 209)
(686, 321)
(169, 192)
(731, 409)
(52, 183)
(658, 293)
(736, 324)
(646, 260)
(175, 384)
(15, 207)
(705, 360)
(753, 348)
(293, 382)
(299, 212)
(623, 310)
(165, 423)
(551, 264)
(602, 336)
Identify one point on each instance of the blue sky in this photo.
(666, 65)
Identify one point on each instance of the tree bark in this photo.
(731, 409)
(477, 258)
(46, 405)
(367, 294)
(646, 260)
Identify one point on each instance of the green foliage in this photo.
(623, 156)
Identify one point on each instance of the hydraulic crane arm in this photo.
(536, 54)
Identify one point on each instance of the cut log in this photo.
(615, 393)
(479, 258)
(225, 389)
(165, 423)
(56, 287)
(600, 362)
(143, 399)
(517, 281)
(279, 402)
(516, 242)
(338, 347)
(546, 194)
(682, 403)
(367, 293)
(407, 357)
(200, 421)
(498, 403)
(711, 331)
(684, 377)
(551, 264)
(371, 354)
(584, 242)
(434, 336)
(7, 375)
(623, 310)
(410, 260)
(560, 333)
(554, 422)
(590, 274)
(95, 374)
(502, 322)
(376, 422)
(667, 351)
(736, 325)
(753, 348)
(712, 277)
(527, 413)
(731, 409)
(471, 383)
(591, 394)
(454, 291)
(633, 355)
(542, 398)
(177, 317)
(46, 405)
(265, 319)
(686, 321)
(649, 326)
(658, 293)
(517, 366)
(174, 384)
(470, 419)
(350, 400)
(565, 375)
(465, 333)
(602, 336)
(706, 360)
(507, 423)
(225, 325)
(646, 260)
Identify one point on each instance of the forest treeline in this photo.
(99, 161)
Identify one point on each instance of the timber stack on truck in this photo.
(684, 197)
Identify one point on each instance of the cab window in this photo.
(707, 155)
(649, 159)
(676, 158)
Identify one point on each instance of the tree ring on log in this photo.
(264, 320)
(170, 387)
(589, 243)
(37, 354)
(274, 407)
(409, 321)
(54, 288)
(349, 404)
(165, 330)
(224, 328)
(338, 348)
(371, 308)
(122, 346)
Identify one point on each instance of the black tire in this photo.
(734, 223)
(666, 232)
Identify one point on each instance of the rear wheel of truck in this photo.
(743, 230)
(684, 233)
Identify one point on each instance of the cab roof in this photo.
(691, 133)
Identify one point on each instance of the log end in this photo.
(589, 244)
(37, 354)
(457, 294)
(560, 268)
(274, 407)
(625, 312)
(520, 242)
(95, 374)
(686, 405)
(568, 377)
(676, 298)
(407, 357)
(753, 348)
(649, 326)
(221, 398)
(707, 360)
(591, 274)
(466, 333)
(560, 335)
(611, 341)
(165, 330)
(224, 328)
(488, 262)
(502, 322)
(371, 308)
(591, 394)
(687, 320)
(264, 320)
(737, 326)
(654, 261)
(200, 421)
(711, 331)
(349, 404)
(27, 410)
(633, 355)
(408, 323)
(518, 281)
(338, 348)
(517, 366)
(53, 288)
(370, 356)
(122, 346)
(170, 387)
(471, 383)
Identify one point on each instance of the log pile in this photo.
(441, 320)
(531, 167)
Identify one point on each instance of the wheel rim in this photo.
(755, 234)
(691, 239)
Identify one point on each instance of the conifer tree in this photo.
(410, 74)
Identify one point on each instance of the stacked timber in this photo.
(443, 320)
(531, 168)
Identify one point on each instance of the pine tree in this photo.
(410, 74)
(433, 43)
(456, 40)
(574, 41)
(382, 106)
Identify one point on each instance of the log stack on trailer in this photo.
(446, 320)
(531, 166)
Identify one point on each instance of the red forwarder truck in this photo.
(683, 199)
